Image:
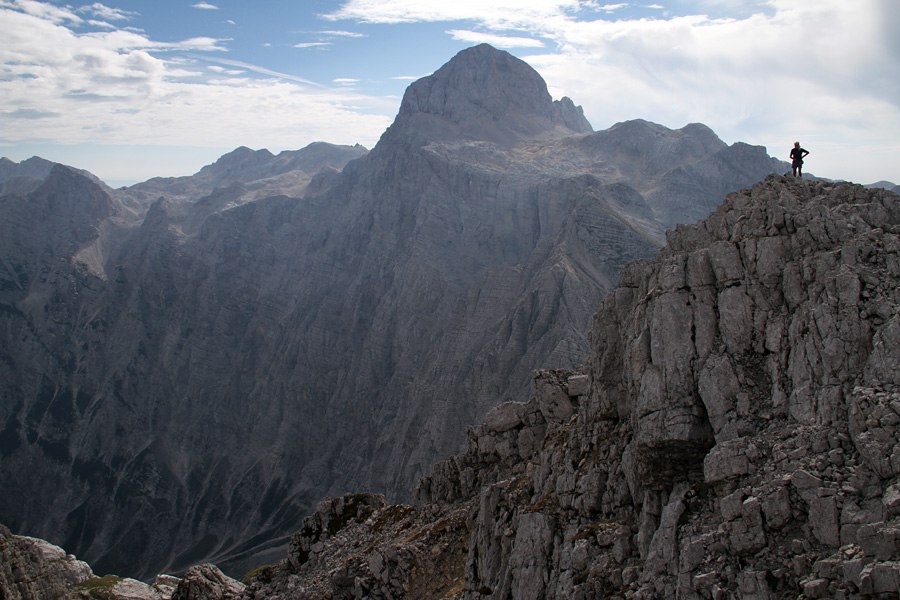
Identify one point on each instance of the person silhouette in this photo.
(797, 154)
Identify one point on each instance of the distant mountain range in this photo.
(190, 364)
(887, 185)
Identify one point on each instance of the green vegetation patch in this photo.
(100, 587)
(261, 573)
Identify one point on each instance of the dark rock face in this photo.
(23, 177)
(186, 376)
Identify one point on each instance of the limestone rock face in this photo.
(32, 568)
(188, 366)
(207, 582)
(732, 433)
(488, 95)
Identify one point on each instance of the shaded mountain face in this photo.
(27, 175)
(190, 364)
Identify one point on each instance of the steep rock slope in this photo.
(185, 377)
(732, 434)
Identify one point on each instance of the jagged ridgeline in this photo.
(190, 364)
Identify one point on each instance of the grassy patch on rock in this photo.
(100, 588)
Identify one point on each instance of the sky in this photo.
(132, 89)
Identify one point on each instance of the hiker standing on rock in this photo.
(797, 154)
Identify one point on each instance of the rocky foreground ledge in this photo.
(733, 434)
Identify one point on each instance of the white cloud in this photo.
(106, 13)
(42, 10)
(339, 33)
(493, 13)
(101, 24)
(223, 70)
(310, 44)
(258, 69)
(205, 6)
(121, 87)
(500, 41)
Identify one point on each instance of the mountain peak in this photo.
(485, 94)
(238, 158)
(34, 168)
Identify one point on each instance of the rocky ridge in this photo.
(256, 173)
(185, 376)
(27, 175)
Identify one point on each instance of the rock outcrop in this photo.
(732, 434)
(32, 568)
(188, 366)
(207, 582)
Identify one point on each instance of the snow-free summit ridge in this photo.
(485, 94)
